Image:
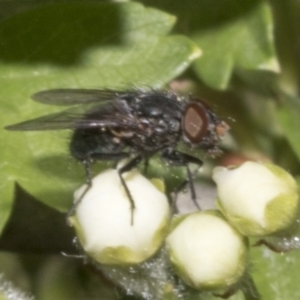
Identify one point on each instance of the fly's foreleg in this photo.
(176, 158)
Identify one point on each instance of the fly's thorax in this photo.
(153, 134)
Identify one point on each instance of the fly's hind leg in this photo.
(87, 163)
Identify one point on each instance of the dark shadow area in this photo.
(34, 227)
(9, 8)
(59, 33)
(190, 13)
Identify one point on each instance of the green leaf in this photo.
(288, 115)
(234, 34)
(276, 275)
(72, 45)
(231, 33)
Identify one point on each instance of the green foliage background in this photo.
(242, 56)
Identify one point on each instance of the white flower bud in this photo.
(9, 292)
(258, 199)
(103, 218)
(206, 251)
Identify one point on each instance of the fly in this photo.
(136, 125)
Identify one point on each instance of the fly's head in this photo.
(201, 128)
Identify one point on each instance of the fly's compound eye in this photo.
(195, 122)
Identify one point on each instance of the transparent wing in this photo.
(77, 118)
(75, 96)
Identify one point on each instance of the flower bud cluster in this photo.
(207, 249)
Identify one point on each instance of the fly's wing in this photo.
(81, 117)
(76, 96)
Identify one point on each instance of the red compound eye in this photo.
(195, 122)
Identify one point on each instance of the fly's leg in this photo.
(146, 165)
(192, 187)
(127, 167)
(182, 185)
(87, 166)
(177, 158)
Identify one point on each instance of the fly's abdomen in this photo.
(94, 143)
